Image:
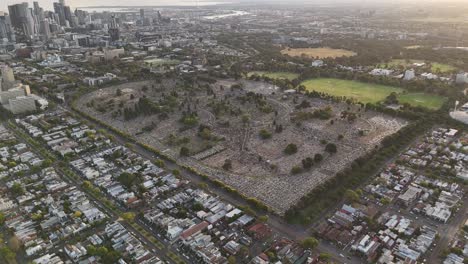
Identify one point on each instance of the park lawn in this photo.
(443, 68)
(435, 66)
(361, 92)
(275, 75)
(429, 101)
(320, 53)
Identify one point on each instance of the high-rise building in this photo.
(60, 11)
(6, 29)
(81, 15)
(45, 28)
(22, 20)
(37, 9)
(69, 15)
(142, 13)
(114, 31)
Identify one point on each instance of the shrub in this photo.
(330, 148)
(290, 149)
(265, 134)
(296, 170)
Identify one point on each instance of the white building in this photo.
(381, 72)
(22, 104)
(317, 63)
(409, 75)
(461, 78)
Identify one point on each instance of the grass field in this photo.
(371, 93)
(362, 92)
(430, 101)
(275, 75)
(318, 52)
(435, 67)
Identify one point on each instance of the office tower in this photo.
(22, 20)
(114, 31)
(142, 13)
(45, 29)
(60, 11)
(68, 15)
(38, 11)
(6, 29)
(81, 15)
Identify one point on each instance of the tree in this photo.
(330, 148)
(2, 218)
(227, 164)
(205, 133)
(197, 206)
(127, 179)
(263, 218)
(265, 134)
(290, 149)
(296, 170)
(318, 158)
(129, 216)
(307, 163)
(391, 99)
(14, 243)
(309, 243)
(385, 201)
(324, 256)
(232, 260)
(351, 195)
(118, 92)
(184, 151)
(160, 163)
(245, 118)
(17, 189)
(176, 172)
(8, 255)
(77, 214)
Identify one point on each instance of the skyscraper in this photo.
(60, 11)
(22, 20)
(114, 31)
(6, 30)
(68, 15)
(45, 28)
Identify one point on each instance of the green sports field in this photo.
(275, 75)
(371, 93)
(361, 92)
(430, 101)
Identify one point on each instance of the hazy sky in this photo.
(47, 4)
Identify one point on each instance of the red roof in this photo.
(260, 230)
(194, 229)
